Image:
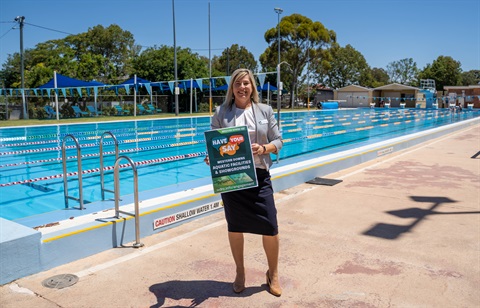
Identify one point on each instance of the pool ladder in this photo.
(116, 190)
(79, 168)
(102, 174)
(137, 243)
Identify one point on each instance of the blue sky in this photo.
(382, 30)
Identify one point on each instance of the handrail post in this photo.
(135, 195)
(79, 165)
(102, 176)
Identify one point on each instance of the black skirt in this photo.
(252, 210)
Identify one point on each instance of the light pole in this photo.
(177, 90)
(210, 103)
(20, 20)
(279, 91)
(308, 73)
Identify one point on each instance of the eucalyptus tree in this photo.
(157, 64)
(302, 42)
(404, 71)
(347, 66)
(232, 58)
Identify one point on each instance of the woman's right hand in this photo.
(207, 160)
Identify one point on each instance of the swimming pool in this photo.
(169, 152)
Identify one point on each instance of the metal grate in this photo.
(60, 281)
(324, 181)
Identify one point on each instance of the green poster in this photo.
(231, 159)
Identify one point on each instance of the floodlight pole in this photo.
(176, 90)
(308, 73)
(279, 91)
(210, 103)
(20, 20)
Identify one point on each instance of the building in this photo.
(353, 96)
(396, 94)
(462, 95)
(322, 94)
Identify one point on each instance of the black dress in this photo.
(252, 210)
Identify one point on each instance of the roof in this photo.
(462, 87)
(68, 82)
(354, 87)
(396, 87)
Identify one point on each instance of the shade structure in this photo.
(221, 88)
(133, 82)
(68, 82)
(60, 81)
(267, 87)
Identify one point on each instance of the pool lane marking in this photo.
(95, 170)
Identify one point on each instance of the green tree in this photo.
(157, 64)
(232, 58)
(302, 41)
(348, 66)
(380, 77)
(404, 71)
(444, 70)
(471, 78)
(100, 53)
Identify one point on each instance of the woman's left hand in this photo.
(257, 149)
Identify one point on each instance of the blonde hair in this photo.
(236, 75)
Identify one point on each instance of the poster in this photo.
(231, 159)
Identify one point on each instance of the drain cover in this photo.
(60, 281)
(324, 181)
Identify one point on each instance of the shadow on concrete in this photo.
(197, 291)
(392, 232)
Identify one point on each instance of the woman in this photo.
(252, 210)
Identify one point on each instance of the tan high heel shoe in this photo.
(273, 291)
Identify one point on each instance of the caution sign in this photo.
(199, 210)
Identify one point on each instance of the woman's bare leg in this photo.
(271, 244)
(236, 245)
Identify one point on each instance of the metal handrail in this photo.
(79, 165)
(135, 194)
(102, 177)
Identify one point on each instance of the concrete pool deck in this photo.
(402, 230)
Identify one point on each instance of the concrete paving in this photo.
(400, 231)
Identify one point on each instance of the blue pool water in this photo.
(170, 152)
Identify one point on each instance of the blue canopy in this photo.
(221, 88)
(185, 84)
(163, 86)
(264, 88)
(130, 83)
(67, 82)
